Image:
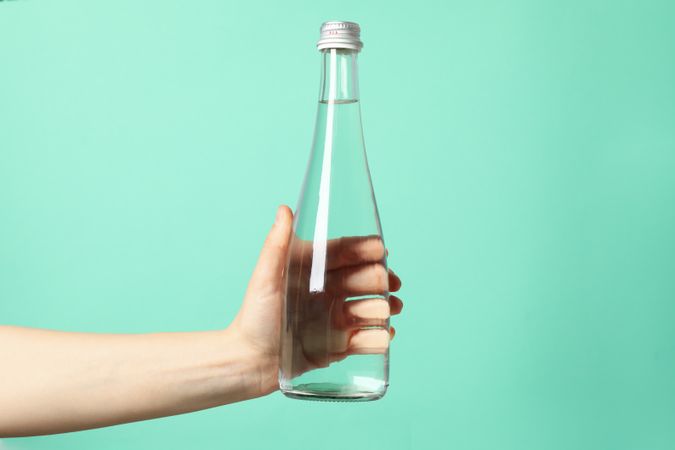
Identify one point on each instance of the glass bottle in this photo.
(335, 321)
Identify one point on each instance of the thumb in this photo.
(272, 259)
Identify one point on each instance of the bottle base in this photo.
(326, 392)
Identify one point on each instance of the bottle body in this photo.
(335, 320)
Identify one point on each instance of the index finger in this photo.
(343, 252)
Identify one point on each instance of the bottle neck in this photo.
(339, 76)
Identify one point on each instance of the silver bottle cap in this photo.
(337, 34)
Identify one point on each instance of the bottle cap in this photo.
(337, 34)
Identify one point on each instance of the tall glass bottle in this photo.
(335, 326)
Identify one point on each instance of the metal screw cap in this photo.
(337, 34)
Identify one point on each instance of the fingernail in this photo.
(277, 219)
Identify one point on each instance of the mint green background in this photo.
(522, 152)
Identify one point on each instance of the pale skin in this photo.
(55, 381)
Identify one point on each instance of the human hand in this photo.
(355, 269)
(349, 314)
(101, 379)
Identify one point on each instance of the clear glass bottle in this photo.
(335, 326)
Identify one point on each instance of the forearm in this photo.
(53, 382)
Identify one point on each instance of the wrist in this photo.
(258, 370)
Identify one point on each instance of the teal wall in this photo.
(522, 152)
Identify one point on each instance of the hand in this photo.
(355, 268)
(323, 325)
(98, 379)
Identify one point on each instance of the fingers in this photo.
(354, 333)
(272, 259)
(343, 252)
(354, 250)
(371, 312)
(370, 308)
(359, 280)
(362, 343)
(372, 341)
(365, 279)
